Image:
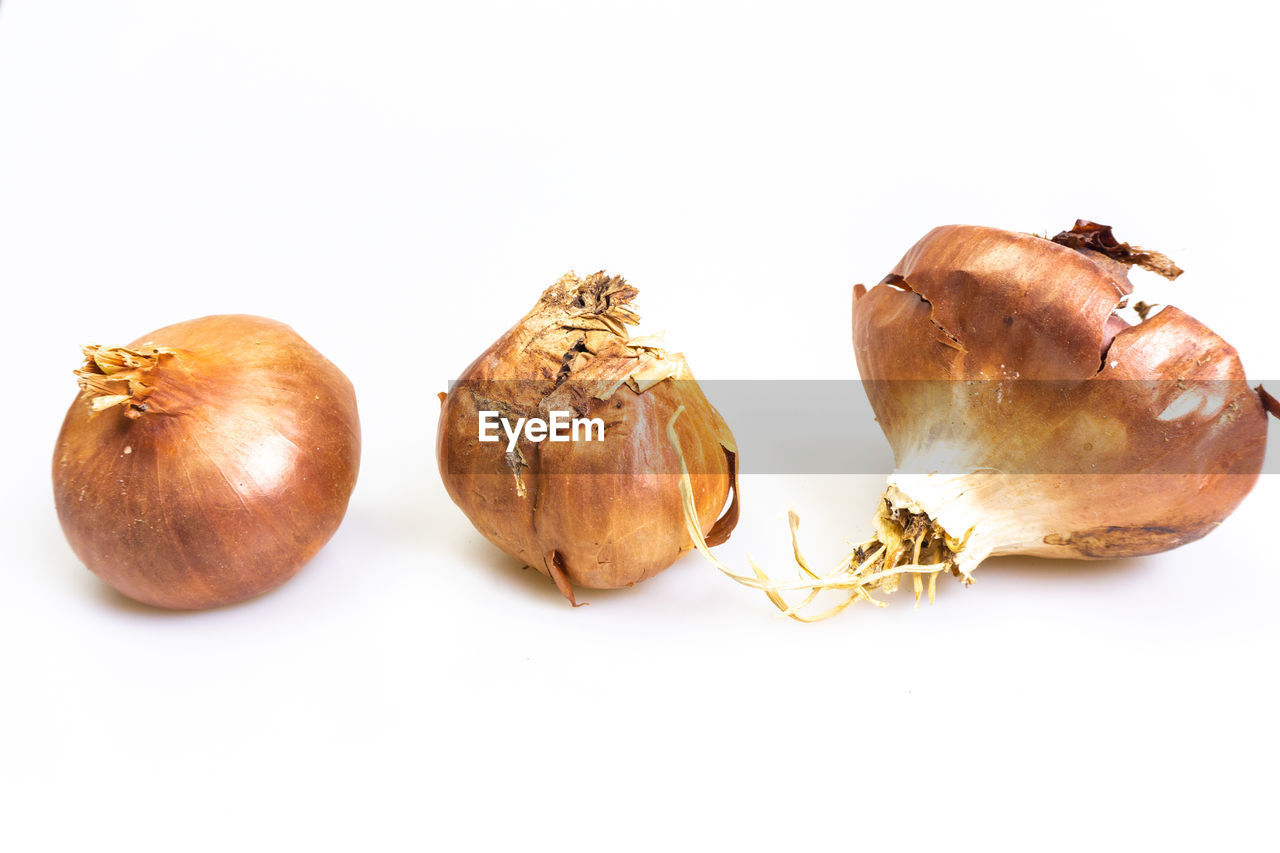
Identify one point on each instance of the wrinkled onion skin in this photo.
(607, 510)
(641, 509)
(236, 475)
(603, 514)
(971, 303)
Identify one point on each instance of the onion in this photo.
(206, 462)
(596, 514)
(1027, 417)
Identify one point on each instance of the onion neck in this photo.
(599, 302)
(118, 376)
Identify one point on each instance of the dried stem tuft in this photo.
(599, 302)
(1091, 236)
(113, 376)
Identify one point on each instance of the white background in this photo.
(398, 181)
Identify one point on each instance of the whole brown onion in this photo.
(1027, 417)
(206, 462)
(1161, 409)
(596, 514)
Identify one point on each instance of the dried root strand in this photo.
(905, 543)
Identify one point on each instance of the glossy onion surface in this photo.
(206, 462)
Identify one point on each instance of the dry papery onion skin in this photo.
(965, 350)
(206, 462)
(599, 515)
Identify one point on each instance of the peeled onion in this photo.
(206, 462)
(1027, 417)
(595, 514)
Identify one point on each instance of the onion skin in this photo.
(970, 303)
(599, 515)
(226, 468)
